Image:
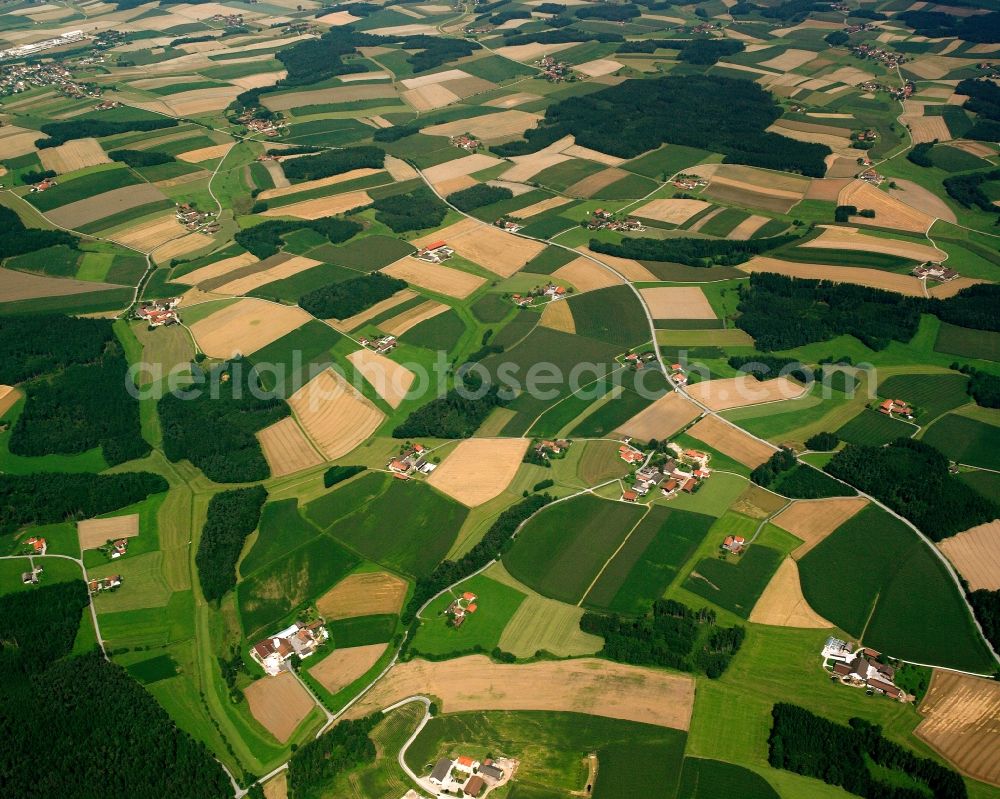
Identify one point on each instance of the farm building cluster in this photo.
(254, 122)
(113, 549)
(31, 577)
(872, 177)
(435, 252)
(896, 92)
(606, 220)
(554, 71)
(468, 777)
(933, 271)
(24, 50)
(861, 668)
(158, 313)
(35, 546)
(887, 58)
(683, 471)
(465, 142)
(548, 290)
(300, 640)
(896, 407)
(508, 224)
(411, 458)
(381, 345)
(734, 544)
(110, 583)
(548, 449)
(461, 608)
(638, 360)
(193, 219)
(685, 181)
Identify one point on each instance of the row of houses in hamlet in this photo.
(683, 471)
(158, 313)
(607, 220)
(468, 777)
(550, 290)
(861, 668)
(412, 458)
(299, 639)
(109, 583)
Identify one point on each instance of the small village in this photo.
(934, 271)
(606, 220)
(465, 142)
(158, 313)
(264, 123)
(300, 640)
(887, 58)
(193, 219)
(467, 777)
(861, 668)
(681, 472)
(554, 71)
(687, 182)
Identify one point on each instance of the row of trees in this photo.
(671, 635)
(767, 472)
(333, 162)
(265, 239)
(31, 499)
(62, 132)
(232, 516)
(18, 239)
(496, 540)
(732, 119)
(340, 300)
(415, 210)
(214, 425)
(811, 745)
(337, 474)
(765, 367)
(691, 252)
(986, 606)
(912, 478)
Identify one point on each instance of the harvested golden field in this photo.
(486, 245)
(513, 100)
(460, 167)
(8, 398)
(343, 666)
(828, 188)
(277, 786)
(100, 206)
(435, 277)
(364, 594)
(218, 269)
(782, 603)
(479, 469)
(182, 245)
(322, 206)
(845, 238)
(15, 141)
(952, 287)
(745, 229)
(736, 392)
(205, 153)
(731, 441)
(338, 94)
(259, 80)
(584, 275)
(95, 532)
(16, 285)
(527, 166)
(147, 236)
(286, 448)
(594, 687)
(352, 322)
(627, 267)
(677, 302)
(813, 520)
(338, 18)
(976, 555)
(526, 53)
(435, 77)
(593, 155)
(592, 184)
(662, 419)
(536, 208)
(962, 723)
(398, 169)
(933, 67)
(279, 703)
(245, 326)
(861, 276)
(790, 59)
(977, 148)
(320, 183)
(287, 268)
(672, 211)
(598, 67)
(558, 316)
(73, 155)
(335, 415)
(399, 324)
(889, 212)
(200, 101)
(916, 196)
(390, 379)
(490, 126)
(427, 98)
(927, 129)
(450, 186)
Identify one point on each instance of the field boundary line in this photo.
(614, 554)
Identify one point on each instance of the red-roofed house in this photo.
(630, 496)
(469, 596)
(466, 764)
(734, 543)
(39, 545)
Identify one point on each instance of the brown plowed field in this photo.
(245, 327)
(558, 316)
(585, 685)
(399, 324)
(279, 704)
(828, 188)
(336, 415)
(365, 594)
(976, 555)
(343, 666)
(427, 98)
(916, 196)
(737, 392)
(479, 469)
(25, 286)
(73, 155)
(677, 302)
(286, 448)
(435, 277)
(584, 275)
(812, 520)
(962, 722)
(390, 379)
(592, 184)
(731, 441)
(94, 532)
(486, 245)
(662, 419)
(782, 603)
(218, 269)
(889, 212)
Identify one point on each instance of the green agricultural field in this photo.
(365, 254)
(150, 627)
(930, 395)
(439, 333)
(873, 429)
(562, 176)
(968, 343)
(287, 364)
(154, 669)
(966, 440)
(336, 504)
(735, 586)
(281, 528)
(986, 483)
(93, 183)
(58, 261)
(496, 604)
(633, 759)
(290, 289)
(713, 779)
(409, 527)
(549, 260)
(951, 159)
(613, 315)
(491, 308)
(618, 410)
(362, 630)
(905, 605)
(666, 161)
(560, 551)
(649, 561)
(627, 188)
